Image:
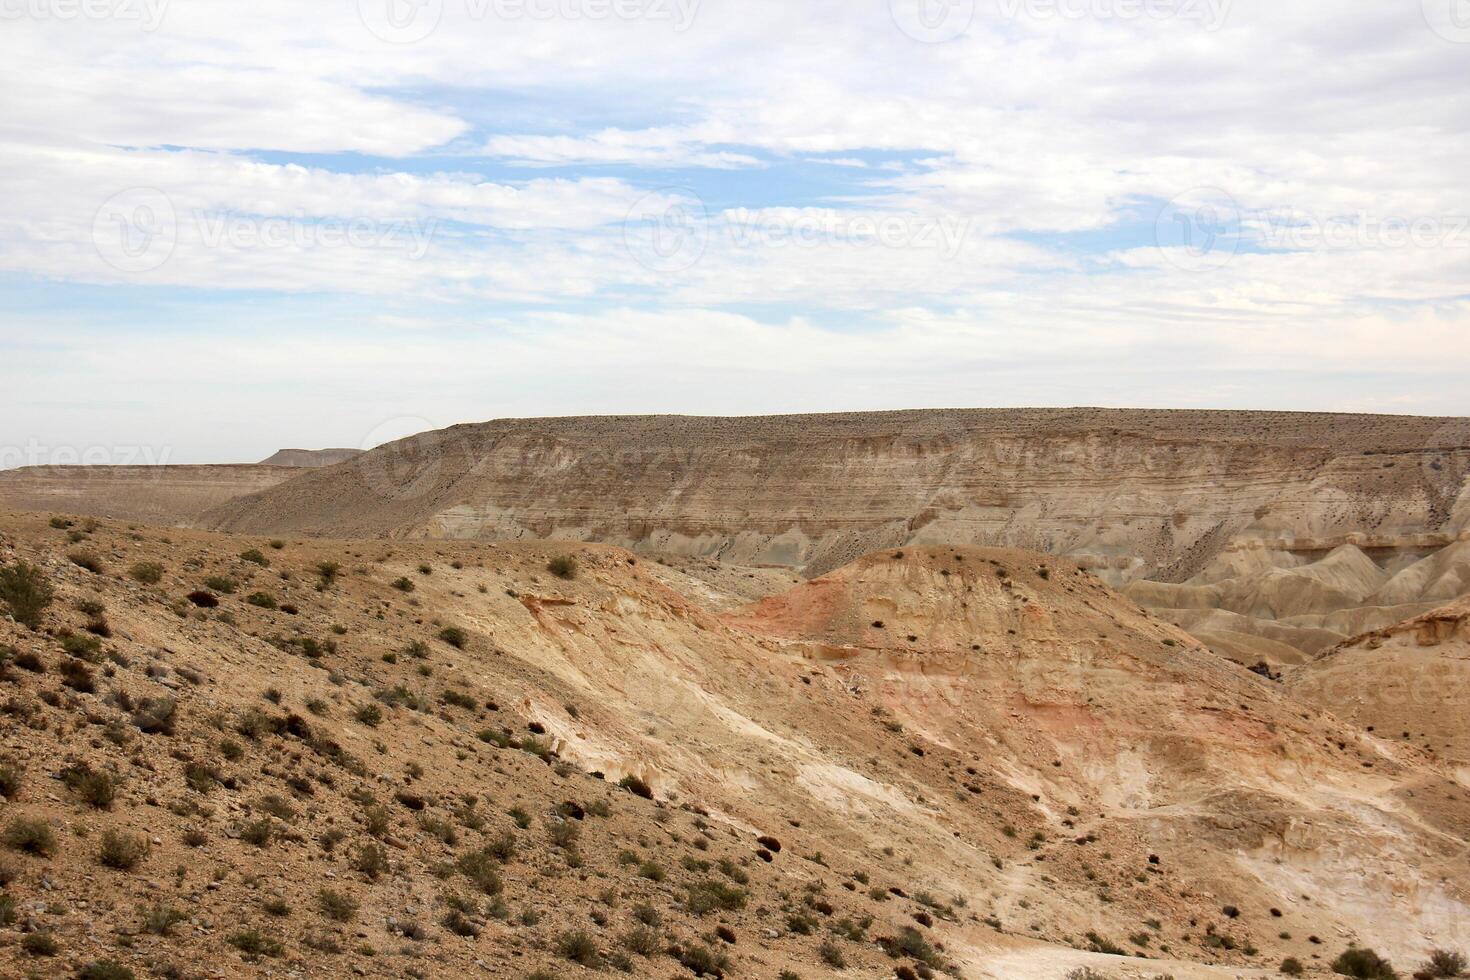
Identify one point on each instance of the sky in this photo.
(228, 228)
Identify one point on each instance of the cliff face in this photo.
(1128, 493)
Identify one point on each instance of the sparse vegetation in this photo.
(1363, 964)
(26, 593)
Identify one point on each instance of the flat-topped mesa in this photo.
(310, 458)
(1130, 493)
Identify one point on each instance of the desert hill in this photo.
(1019, 772)
(1132, 494)
(1409, 681)
(178, 495)
(309, 458)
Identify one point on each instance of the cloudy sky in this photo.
(226, 227)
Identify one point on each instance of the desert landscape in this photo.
(734, 489)
(988, 694)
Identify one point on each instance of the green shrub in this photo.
(11, 776)
(642, 940)
(336, 906)
(455, 637)
(636, 786)
(30, 836)
(403, 584)
(482, 868)
(370, 715)
(252, 942)
(40, 944)
(258, 832)
(702, 961)
(105, 970)
(563, 566)
(255, 557)
(1364, 964)
(1292, 967)
(262, 600)
(578, 947)
(831, 954)
(97, 789)
(222, 584)
(146, 572)
(371, 860)
(709, 895)
(160, 919)
(25, 592)
(1444, 963)
(122, 851)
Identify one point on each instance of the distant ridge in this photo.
(310, 458)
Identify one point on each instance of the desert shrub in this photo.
(403, 584)
(455, 637)
(40, 944)
(636, 786)
(258, 833)
(1086, 973)
(564, 834)
(105, 970)
(78, 676)
(702, 961)
(456, 923)
(261, 600)
(252, 942)
(97, 789)
(255, 557)
(563, 566)
(61, 523)
(831, 954)
(146, 572)
(202, 599)
(1363, 964)
(122, 851)
(459, 699)
(328, 571)
(28, 660)
(370, 715)
(25, 592)
(371, 861)
(482, 868)
(155, 716)
(160, 919)
(1443, 963)
(222, 584)
(911, 943)
(337, 906)
(11, 775)
(7, 910)
(83, 647)
(30, 836)
(87, 560)
(709, 895)
(1292, 967)
(1101, 944)
(578, 947)
(641, 940)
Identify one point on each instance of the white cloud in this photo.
(1028, 127)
